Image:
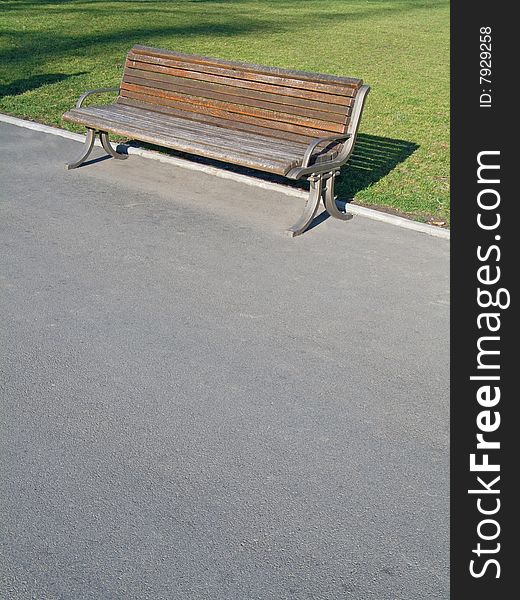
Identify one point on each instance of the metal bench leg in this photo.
(103, 136)
(311, 207)
(330, 202)
(89, 142)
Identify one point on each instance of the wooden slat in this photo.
(206, 92)
(210, 135)
(278, 71)
(219, 108)
(255, 160)
(191, 135)
(246, 75)
(161, 122)
(242, 83)
(223, 114)
(221, 122)
(190, 139)
(156, 79)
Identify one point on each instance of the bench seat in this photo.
(196, 137)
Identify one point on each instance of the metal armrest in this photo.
(88, 93)
(304, 170)
(314, 144)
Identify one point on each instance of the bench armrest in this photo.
(88, 93)
(304, 170)
(315, 143)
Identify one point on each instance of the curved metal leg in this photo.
(330, 202)
(103, 136)
(89, 142)
(311, 207)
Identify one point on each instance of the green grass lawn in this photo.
(52, 51)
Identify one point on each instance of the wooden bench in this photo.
(287, 122)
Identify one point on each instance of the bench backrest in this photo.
(276, 102)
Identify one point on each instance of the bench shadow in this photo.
(19, 86)
(93, 161)
(373, 158)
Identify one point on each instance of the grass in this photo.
(51, 51)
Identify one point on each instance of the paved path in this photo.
(197, 407)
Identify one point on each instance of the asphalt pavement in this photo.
(195, 406)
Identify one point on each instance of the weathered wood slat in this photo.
(225, 140)
(242, 83)
(191, 129)
(220, 122)
(233, 75)
(185, 141)
(218, 108)
(156, 79)
(301, 80)
(187, 93)
(321, 77)
(193, 109)
(171, 140)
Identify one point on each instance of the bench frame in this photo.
(321, 175)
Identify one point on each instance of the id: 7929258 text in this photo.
(485, 67)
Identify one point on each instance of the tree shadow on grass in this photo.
(37, 47)
(33, 82)
(30, 47)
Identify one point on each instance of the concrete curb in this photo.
(369, 213)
